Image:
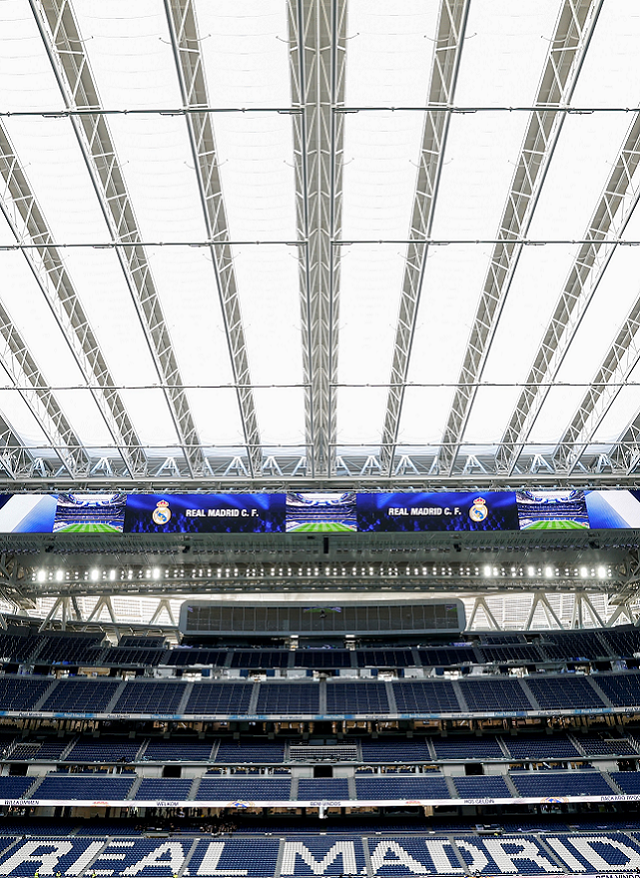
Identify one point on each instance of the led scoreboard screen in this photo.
(320, 512)
(205, 513)
(476, 511)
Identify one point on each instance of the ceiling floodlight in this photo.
(531, 571)
(94, 574)
(59, 575)
(486, 570)
(42, 575)
(602, 573)
(112, 575)
(156, 573)
(548, 572)
(584, 573)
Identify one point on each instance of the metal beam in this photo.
(567, 50)
(609, 220)
(317, 63)
(26, 220)
(24, 373)
(65, 48)
(185, 41)
(452, 22)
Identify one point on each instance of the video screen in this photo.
(320, 512)
(90, 513)
(552, 510)
(205, 513)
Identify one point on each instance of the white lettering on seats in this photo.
(209, 864)
(528, 851)
(344, 849)
(583, 844)
(48, 860)
(154, 859)
(380, 858)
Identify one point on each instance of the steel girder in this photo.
(22, 212)
(65, 48)
(452, 21)
(566, 54)
(617, 365)
(185, 42)
(625, 455)
(317, 63)
(24, 373)
(609, 220)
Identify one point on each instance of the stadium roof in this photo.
(258, 243)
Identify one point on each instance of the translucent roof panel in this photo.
(307, 284)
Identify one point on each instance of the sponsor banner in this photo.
(310, 803)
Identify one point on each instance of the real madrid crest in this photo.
(161, 514)
(478, 511)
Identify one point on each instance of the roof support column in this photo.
(317, 62)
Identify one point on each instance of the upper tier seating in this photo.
(426, 696)
(182, 751)
(541, 747)
(21, 693)
(119, 656)
(150, 697)
(443, 656)
(88, 749)
(467, 748)
(396, 751)
(554, 693)
(289, 698)
(85, 786)
(229, 788)
(81, 696)
(384, 658)
(516, 652)
(543, 784)
(312, 789)
(494, 694)
(596, 745)
(573, 645)
(622, 690)
(219, 698)
(260, 658)
(322, 658)
(188, 657)
(230, 752)
(163, 788)
(357, 698)
(482, 787)
(14, 787)
(69, 649)
(432, 786)
(485, 694)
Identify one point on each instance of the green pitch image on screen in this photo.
(321, 527)
(562, 524)
(88, 528)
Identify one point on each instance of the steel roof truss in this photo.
(610, 218)
(26, 220)
(186, 47)
(65, 49)
(317, 63)
(452, 21)
(567, 50)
